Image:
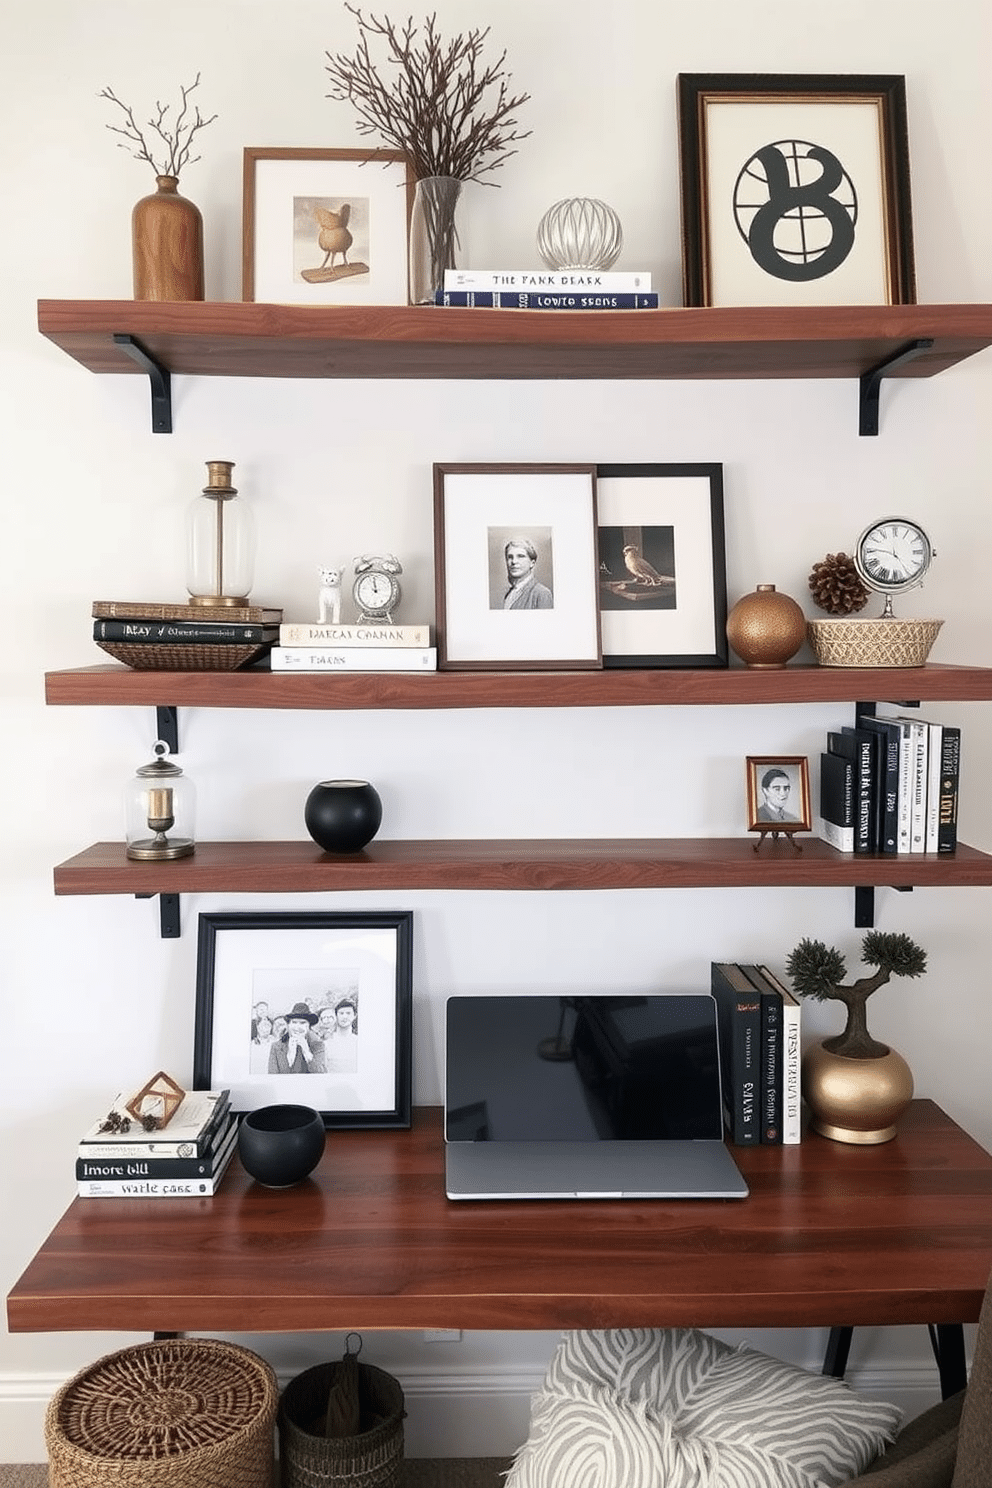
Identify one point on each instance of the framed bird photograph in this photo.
(662, 580)
(326, 227)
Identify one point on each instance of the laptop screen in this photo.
(538, 1068)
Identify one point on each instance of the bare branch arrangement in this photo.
(175, 139)
(450, 113)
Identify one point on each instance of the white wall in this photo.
(92, 999)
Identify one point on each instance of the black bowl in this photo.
(281, 1145)
(343, 815)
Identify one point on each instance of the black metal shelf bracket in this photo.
(870, 382)
(167, 726)
(170, 927)
(159, 381)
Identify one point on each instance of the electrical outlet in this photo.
(442, 1335)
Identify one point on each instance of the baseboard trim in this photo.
(450, 1413)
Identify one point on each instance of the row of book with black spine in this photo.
(889, 784)
(759, 1022)
(118, 1159)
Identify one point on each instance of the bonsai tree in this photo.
(818, 971)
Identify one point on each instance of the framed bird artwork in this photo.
(326, 227)
(662, 569)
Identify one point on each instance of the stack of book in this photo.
(890, 785)
(760, 1054)
(118, 1159)
(371, 647)
(547, 289)
(183, 637)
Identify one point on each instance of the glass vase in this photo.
(433, 235)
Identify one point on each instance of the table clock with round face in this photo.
(376, 590)
(892, 555)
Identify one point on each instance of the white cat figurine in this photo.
(329, 596)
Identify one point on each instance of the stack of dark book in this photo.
(150, 636)
(760, 1053)
(890, 785)
(118, 1159)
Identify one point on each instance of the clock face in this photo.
(376, 593)
(893, 554)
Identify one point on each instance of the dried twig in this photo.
(175, 140)
(448, 112)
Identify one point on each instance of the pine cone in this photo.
(836, 586)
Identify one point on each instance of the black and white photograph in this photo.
(313, 1009)
(662, 572)
(515, 567)
(795, 190)
(325, 227)
(778, 798)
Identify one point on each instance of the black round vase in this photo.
(281, 1145)
(343, 815)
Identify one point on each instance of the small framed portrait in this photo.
(515, 567)
(326, 227)
(309, 1009)
(778, 797)
(662, 568)
(795, 190)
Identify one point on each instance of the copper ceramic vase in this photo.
(167, 245)
(766, 628)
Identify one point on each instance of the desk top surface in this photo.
(830, 1235)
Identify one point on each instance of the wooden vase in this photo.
(167, 245)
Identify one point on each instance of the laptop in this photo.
(614, 1097)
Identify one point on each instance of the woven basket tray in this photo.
(872, 643)
(372, 1459)
(177, 1413)
(169, 657)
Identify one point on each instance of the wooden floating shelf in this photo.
(515, 864)
(115, 685)
(232, 339)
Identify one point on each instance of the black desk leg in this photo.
(947, 1340)
(838, 1348)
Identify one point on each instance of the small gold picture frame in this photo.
(156, 1102)
(778, 798)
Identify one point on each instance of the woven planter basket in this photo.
(872, 643)
(175, 657)
(178, 1413)
(372, 1459)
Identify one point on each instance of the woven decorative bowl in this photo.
(872, 643)
(179, 658)
(175, 1413)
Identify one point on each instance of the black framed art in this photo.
(662, 565)
(795, 189)
(310, 1009)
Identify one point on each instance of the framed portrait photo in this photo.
(309, 1009)
(515, 567)
(778, 798)
(795, 189)
(326, 227)
(662, 575)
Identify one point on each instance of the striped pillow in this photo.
(642, 1407)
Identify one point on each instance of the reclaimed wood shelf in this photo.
(516, 864)
(118, 686)
(232, 339)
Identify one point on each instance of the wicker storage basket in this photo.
(872, 643)
(372, 1459)
(178, 1413)
(176, 657)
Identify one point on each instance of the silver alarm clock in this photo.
(376, 589)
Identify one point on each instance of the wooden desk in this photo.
(832, 1235)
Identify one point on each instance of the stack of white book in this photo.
(186, 1159)
(548, 289)
(371, 647)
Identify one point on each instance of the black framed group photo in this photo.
(310, 1009)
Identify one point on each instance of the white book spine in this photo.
(353, 659)
(148, 1188)
(842, 838)
(935, 749)
(588, 280)
(918, 814)
(792, 1095)
(298, 633)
